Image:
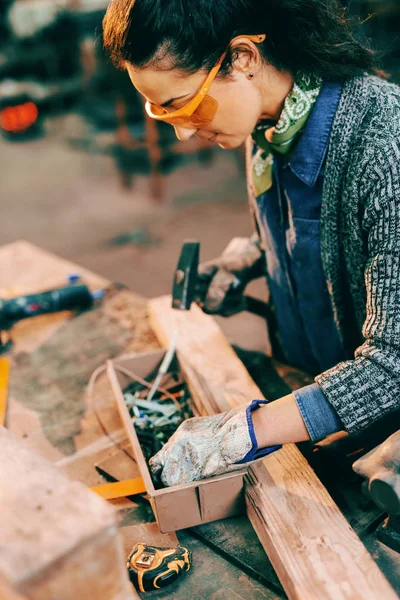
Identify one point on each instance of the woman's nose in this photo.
(184, 133)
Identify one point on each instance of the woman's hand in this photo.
(221, 282)
(218, 291)
(206, 446)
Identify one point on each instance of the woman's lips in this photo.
(213, 138)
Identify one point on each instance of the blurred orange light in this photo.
(16, 119)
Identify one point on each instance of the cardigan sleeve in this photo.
(367, 388)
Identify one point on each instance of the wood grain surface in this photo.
(58, 539)
(53, 357)
(312, 547)
(49, 352)
(73, 437)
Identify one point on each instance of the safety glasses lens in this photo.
(203, 115)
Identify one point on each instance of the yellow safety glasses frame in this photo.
(201, 109)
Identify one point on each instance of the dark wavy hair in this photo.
(302, 35)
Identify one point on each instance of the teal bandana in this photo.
(296, 110)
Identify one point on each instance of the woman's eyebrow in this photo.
(165, 104)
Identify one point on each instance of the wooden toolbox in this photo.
(180, 506)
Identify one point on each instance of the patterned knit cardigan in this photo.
(360, 245)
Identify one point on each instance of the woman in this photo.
(324, 182)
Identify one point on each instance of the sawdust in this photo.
(52, 380)
(131, 313)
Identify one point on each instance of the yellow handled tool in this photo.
(4, 380)
(120, 489)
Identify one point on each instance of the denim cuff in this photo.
(255, 452)
(318, 414)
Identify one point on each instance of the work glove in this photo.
(221, 282)
(205, 446)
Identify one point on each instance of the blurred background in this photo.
(84, 174)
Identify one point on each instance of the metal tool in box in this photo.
(156, 414)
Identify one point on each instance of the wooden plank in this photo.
(236, 540)
(214, 386)
(54, 356)
(313, 549)
(58, 540)
(119, 462)
(48, 403)
(286, 492)
(25, 268)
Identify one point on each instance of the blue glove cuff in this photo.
(254, 451)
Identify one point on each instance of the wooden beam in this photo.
(58, 539)
(312, 547)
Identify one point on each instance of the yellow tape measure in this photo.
(151, 568)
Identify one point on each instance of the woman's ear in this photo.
(245, 57)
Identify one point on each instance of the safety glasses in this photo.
(200, 110)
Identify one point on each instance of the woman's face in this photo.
(242, 100)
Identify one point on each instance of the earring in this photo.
(250, 75)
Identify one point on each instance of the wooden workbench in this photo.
(53, 358)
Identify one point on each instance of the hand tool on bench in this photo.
(154, 543)
(75, 297)
(151, 568)
(185, 291)
(4, 379)
(120, 489)
(186, 279)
